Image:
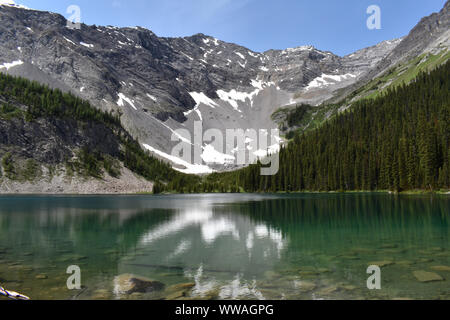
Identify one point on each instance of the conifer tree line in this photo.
(398, 141)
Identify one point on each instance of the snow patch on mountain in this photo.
(240, 55)
(189, 168)
(152, 97)
(70, 41)
(123, 98)
(273, 149)
(187, 56)
(261, 84)
(87, 45)
(200, 97)
(233, 96)
(8, 66)
(328, 79)
(297, 49)
(243, 65)
(211, 155)
(196, 110)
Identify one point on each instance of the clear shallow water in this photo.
(306, 246)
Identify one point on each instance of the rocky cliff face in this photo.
(40, 151)
(52, 141)
(430, 35)
(159, 85)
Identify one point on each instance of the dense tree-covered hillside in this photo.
(398, 141)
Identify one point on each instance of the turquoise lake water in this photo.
(243, 246)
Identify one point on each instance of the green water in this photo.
(307, 246)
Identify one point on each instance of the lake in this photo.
(219, 246)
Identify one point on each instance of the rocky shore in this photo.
(60, 183)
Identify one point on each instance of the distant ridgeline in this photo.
(44, 127)
(398, 141)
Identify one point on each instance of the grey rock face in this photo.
(159, 85)
(53, 141)
(430, 35)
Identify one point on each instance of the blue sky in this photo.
(335, 25)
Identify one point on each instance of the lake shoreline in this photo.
(119, 193)
(409, 192)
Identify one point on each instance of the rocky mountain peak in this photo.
(160, 84)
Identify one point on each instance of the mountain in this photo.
(399, 141)
(430, 37)
(157, 85)
(54, 142)
(425, 48)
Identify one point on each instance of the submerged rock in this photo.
(271, 294)
(176, 295)
(212, 295)
(136, 296)
(405, 263)
(440, 268)
(181, 286)
(381, 264)
(178, 291)
(328, 290)
(441, 254)
(305, 286)
(349, 287)
(101, 294)
(128, 284)
(27, 269)
(425, 276)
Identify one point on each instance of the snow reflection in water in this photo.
(218, 251)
